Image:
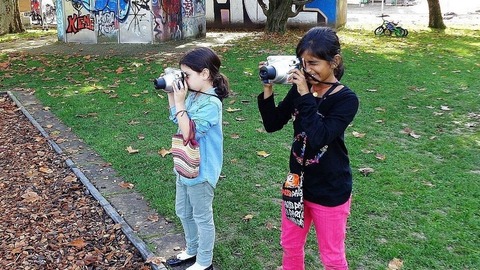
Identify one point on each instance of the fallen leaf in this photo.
(163, 152)
(30, 196)
(127, 185)
(406, 130)
(445, 108)
(153, 218)
(395, 264)
(269, 226)
(366, 171)
(247, 217)
(45, 170)
(413, 135)
(4, 65)
(133, 122)
(78, 243)
(229, 109)
(428, 184)
(131, 150)
(70, 179)
(155, 260)
(119, 70)
(263, 154)
(380, 157)
(358, 134)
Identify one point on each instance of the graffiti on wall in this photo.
(105, 13)
(60, 25)
(43, 12)
(248, 12)
(194, 21)
(132, 21)
(167, 14)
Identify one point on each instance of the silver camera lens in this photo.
(166, 81)
(277, 68)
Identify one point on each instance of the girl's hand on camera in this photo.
(297, 77)
(179, 90)
(267, 87)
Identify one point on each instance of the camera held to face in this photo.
(171, 76)
(277, 68)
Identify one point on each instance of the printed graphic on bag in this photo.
(292, 194)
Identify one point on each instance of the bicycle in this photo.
(388, 27)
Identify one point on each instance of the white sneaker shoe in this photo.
(184, 256)
(197, 266)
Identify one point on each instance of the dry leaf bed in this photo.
(48, 220)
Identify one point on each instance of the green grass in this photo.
(28, 34)
(419, 205)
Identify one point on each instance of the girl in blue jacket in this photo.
(199, 98)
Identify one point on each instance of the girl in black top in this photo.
(321, 109)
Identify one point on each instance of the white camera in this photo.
(171, 75)
(277, 68)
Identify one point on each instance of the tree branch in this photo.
(301, 2)
(263, 6)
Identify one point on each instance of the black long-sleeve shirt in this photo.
(328, 177)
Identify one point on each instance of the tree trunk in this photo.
(10, 21)
(277, 15)
(435, 19)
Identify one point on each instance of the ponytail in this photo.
(203, 57)
(339, 70)
(220, 82)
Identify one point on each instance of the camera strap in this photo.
(200, 92)
(317, 80)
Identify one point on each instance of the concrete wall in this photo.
(130, 21)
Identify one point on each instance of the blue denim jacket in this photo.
(206, 112)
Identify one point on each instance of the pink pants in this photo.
(330, 227)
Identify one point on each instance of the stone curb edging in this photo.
(109, 209)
